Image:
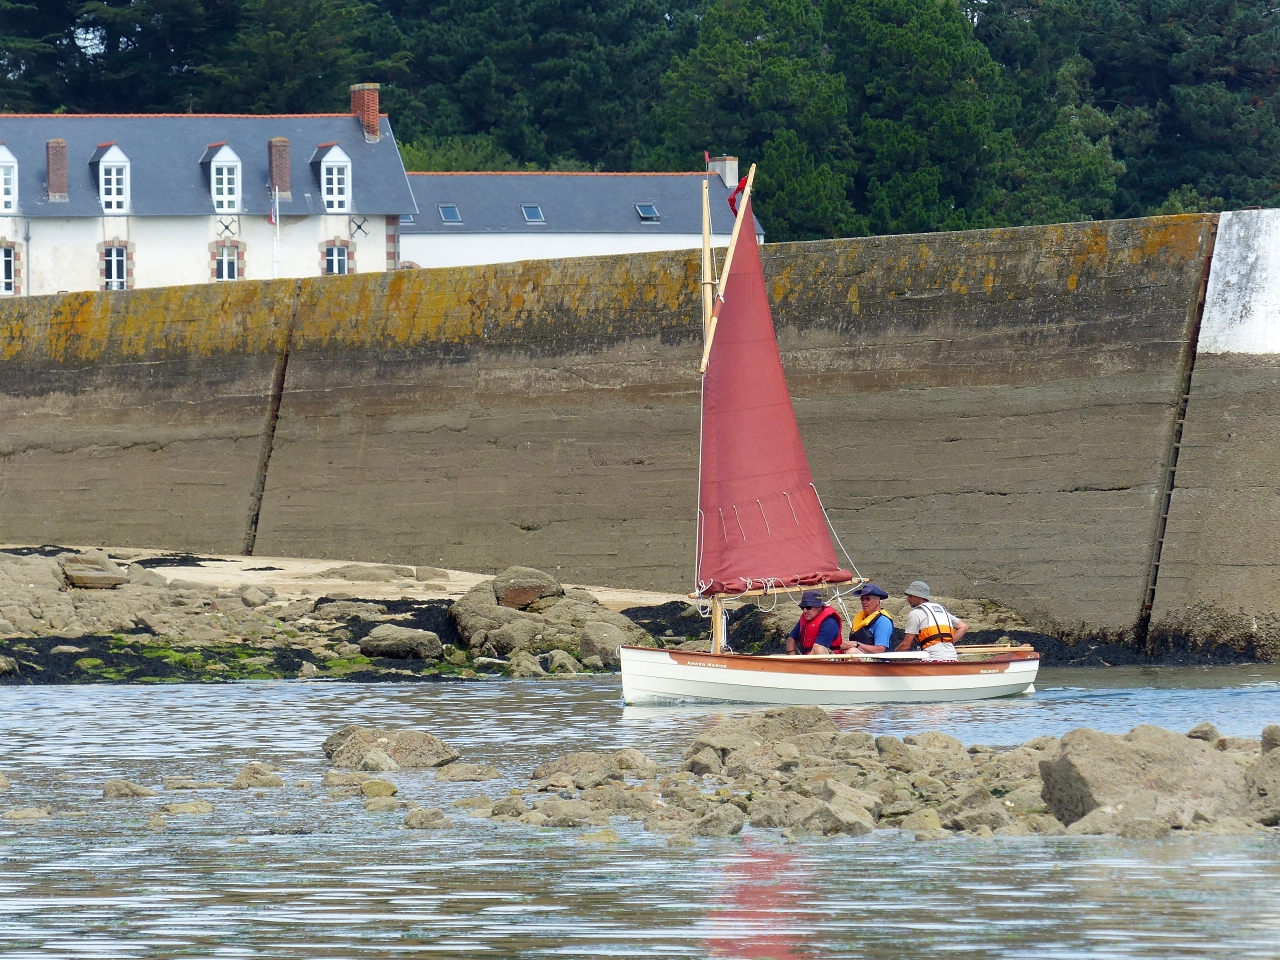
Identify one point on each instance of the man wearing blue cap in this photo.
(818, 631)
(872, 629)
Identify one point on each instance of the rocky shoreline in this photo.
(789, 770)
(94, 616)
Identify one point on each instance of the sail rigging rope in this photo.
(852, 566)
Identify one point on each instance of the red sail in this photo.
(759, 519)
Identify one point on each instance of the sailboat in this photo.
(763, 530)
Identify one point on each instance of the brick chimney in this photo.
(55, 152)
(278, 167)
(364, 104)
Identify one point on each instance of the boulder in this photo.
(763, 761)
(932, 740)
(992, 816)
(467, 773)
(566, 813)
(337, 778)
(1270, 738)
(833, 791)
(602, 640)
(725, 820)
(93, 570)
(838, 817)
(375, 761)
(1140, 828)
(780, 809)
(190, 783)
(378, 788)
(403, 643)
(1262, 789)
(142, 577)
(193, 807)
(512, 806)
(560, 662)
(1148, 771)
(600, 836)
(253, 596)
(635, 764)
(524, 665)
(896, 755)
(344, 609)
(125, 790)
(4, 782)
(27, 813)
(704, 761)
(921, 821)
(257, 776)
(381, 804)
(8, 666)
(409, 749)
(586, 769)
(426, 818)
(779, 723)
(1204, 731)
(518, 587)
(308, 671)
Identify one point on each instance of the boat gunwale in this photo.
(832, 666)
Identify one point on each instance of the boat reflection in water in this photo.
(762, 912)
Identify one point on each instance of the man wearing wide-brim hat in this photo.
(930, 627)
(818, 630)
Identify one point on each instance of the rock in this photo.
(410, 749)
(932, 740)
(467, 772)
(1148, 769)
(763, 761)
(922, 836)
(925, 820)
(67, 648)
(8, 666)
(366, 573)
(187, 807)
(1047, 826)
(670, 820)
(1025, 799)
(724, 739)
(680, 840)
(26, 813)
(780, 809)
(389, 640)
(778, 723)
(157, 824)
(426, 818)
(512, 806)
(1141, 828)
(381, 804)
(600, 836)
(838, 817)
(93, 570)
(635, 764)
(308, 671)
(601, 641)
(586, 769)
(561, 662)
(343, 609)
(4, 782)
(725, 820)
(1270, 736)
(835, 792)
(593, 663)
(256, 776)
(566, 813)
(518, 587)
(1262, 789)
(1204, 731)
(524, 665)
(705, 761)
(378, 788)
(896, 755)
(336, 778)
(188, 783)
(125, 790)
(254, 597)
(375, 761)
(1238, 745)
(992, 816)
(142, 577)
(423, 574)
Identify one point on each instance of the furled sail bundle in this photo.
(760, 523)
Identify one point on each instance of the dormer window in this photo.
(8, 182)
(113, 178)
(333, 169)
(225, 183)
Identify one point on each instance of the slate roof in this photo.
(570, 203)
(164, 150)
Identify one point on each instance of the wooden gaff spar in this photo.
(762, 529)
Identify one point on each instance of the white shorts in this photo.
(941, 651)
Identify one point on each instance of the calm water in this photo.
(358, 885)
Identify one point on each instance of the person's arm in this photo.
(958, 629)
(792, 637)
(907, 642)
(828, 633)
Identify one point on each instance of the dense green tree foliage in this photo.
(864, 115)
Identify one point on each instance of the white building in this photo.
(112, 202)
(476, 218)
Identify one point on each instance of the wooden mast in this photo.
(708, 281)
(724, 274)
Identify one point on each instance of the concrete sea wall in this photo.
(993, 411)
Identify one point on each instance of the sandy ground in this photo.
(296, 578)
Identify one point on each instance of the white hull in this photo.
(650, 675)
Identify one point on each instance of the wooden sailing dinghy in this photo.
(762, 529)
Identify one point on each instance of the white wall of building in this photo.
(465, 250)
(62, 254)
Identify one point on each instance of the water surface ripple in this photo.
(101, 885)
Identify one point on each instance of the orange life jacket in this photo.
(809, 630)
(939, 631)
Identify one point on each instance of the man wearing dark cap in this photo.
(872, 629)
(818, 631)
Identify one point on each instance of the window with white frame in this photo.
(226, 186)
(8, 271)
(115, 265)
(335, 260)
(227, 264)
(337, 187)
(113, 178)
(8, 188)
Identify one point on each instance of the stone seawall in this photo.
(992, 411)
